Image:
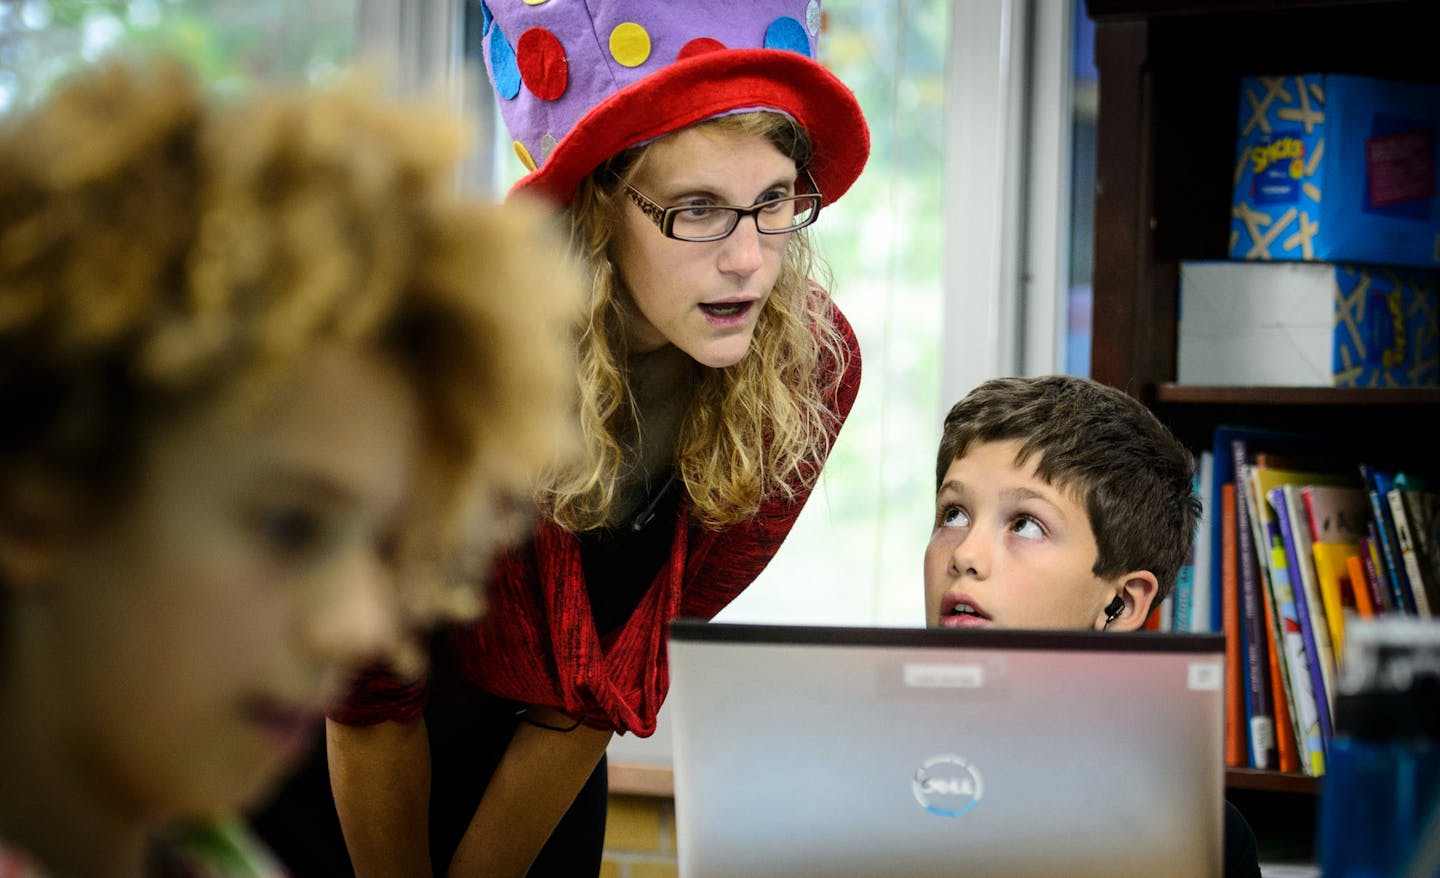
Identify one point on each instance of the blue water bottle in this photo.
(1378, 809)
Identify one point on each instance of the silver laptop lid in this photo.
(850, 752)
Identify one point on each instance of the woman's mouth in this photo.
(726, 312)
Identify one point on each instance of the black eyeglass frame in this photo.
(664, 217)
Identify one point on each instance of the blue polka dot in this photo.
(787, 33)
(485, 18)
(503, 68)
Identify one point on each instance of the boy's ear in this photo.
(1137, 590)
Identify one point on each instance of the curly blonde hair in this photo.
(752, 431)
(160, 248)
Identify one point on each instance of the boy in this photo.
(1061, 503)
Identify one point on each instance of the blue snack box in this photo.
(1385, 328)
(1337, 168)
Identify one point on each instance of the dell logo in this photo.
(947, 785)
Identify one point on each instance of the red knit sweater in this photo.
(538, 644)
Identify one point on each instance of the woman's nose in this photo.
(741, 253)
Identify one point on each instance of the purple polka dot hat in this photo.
(581, 80)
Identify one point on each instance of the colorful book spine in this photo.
(1259, 710)
(1364, 606)
(1422, 510)
(1286, 746)
(1380, 591)
(1377, 486)
(1297, 662)
(1235, 736)
(1409, 553)
(1202, 597)
(1336, 591)
(1307, 605)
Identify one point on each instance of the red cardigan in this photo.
(538, 643)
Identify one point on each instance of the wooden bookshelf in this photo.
(1169, 89)
(1274, 781)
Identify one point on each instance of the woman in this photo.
(256, 387)
(689, 151)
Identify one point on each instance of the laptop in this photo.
(873, 752)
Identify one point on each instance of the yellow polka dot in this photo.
(535, 2)
(524, 155)
(629, 44)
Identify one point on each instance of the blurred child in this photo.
(265, 381)
(1062, 503)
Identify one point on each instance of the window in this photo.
(854, 557)
(231, 43)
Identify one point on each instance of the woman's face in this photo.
(192, 640)
(704, 298)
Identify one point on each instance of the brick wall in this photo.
(640, 837)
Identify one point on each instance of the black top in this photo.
(620, 562)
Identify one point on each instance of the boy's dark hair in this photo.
(1132, 475)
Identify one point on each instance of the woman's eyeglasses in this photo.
(712, 222)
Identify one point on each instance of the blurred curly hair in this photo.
(161, 248)
(753, 431)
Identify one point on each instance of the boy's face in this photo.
(194, 638)
(1010, 550)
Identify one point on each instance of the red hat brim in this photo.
(703, 87)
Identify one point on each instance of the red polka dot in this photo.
(542, 63)
(699, 46)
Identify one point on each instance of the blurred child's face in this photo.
(193, 640)
(1010, 550)
(702, 297)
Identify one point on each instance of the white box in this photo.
(1307, 324)
(1256, 323)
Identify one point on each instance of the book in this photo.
(1299, 559)
(1378, 483)
(1336, 513)
(1364, 607)
(1223, 471)
(1259, 707)
(1411, 549)
(1422, 508)
(1375, 573)
(1236, 755)
(1406, 550)
(1202, 598)
(1337, 592)
(1286, 746)
(1295, 657)
(1336, 516)
(1182, 596)
(1296, 525)
(1285, 528)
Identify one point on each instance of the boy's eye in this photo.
(953, 516)
(1027, 527)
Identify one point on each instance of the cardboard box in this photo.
(1335, 168)
(1308, 325)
